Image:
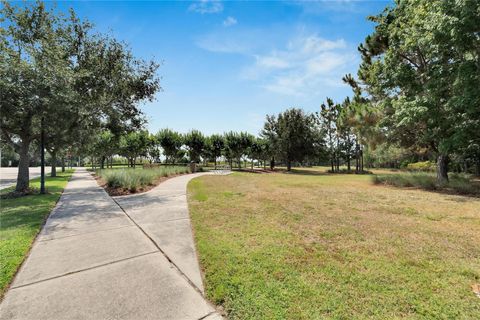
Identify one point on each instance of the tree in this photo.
(328, 118)
(134, 145)
(171, 142)
(234, 147)
(153, 148)
(256, 150)
(266, 153)
(246, 141)
(293, 134)
(53, 68)
(421, 68)
(217, 144)
(345, 131)
(195, 143)
(105, 146)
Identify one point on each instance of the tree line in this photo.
(291, 137)
(273, 144)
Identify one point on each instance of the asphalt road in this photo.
(8, 175)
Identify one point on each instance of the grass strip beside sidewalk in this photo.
(20, 221)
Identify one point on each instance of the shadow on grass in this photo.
(313, 172)
(249, 170)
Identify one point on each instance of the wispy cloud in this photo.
(206, 6)
(305, 64)
(211, 43)
(230, 21)
(240, 41)
(320, 7)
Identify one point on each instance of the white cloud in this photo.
(313, 44)
(272, 61)
(303, 66)
(306, 65)
(230, 21)
(229, 45)
(322, 6)
(206, 6)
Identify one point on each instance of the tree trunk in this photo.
(252, 164)
(348, 163)
(477, 167)
(361, 160)
(289, 165)
(102, 162)
(272, 163)
(264, 164)
(53, 173)
(332, 163)
(63, 164)
(442, 169)
(357, 160)
(215, 162)
(23, 177)
(239, 163)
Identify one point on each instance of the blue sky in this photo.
(225, 65)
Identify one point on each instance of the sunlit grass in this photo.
(20, 221)
(319, 246)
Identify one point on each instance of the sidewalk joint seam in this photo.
(174, 219)
(161, 250)
(83, 233)
(81, 270)
(207, 315)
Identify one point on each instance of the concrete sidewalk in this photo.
(93, 261)
(162, 213)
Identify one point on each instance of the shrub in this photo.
(133, 179)
(458, 183)
(422, 166)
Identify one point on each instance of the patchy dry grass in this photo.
(314, 246)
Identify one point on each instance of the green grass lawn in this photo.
(21, 220)
(309, 245)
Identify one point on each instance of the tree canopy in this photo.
(54, 67)
(421, 70)
(293, 134)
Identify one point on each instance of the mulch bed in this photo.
(114, 192)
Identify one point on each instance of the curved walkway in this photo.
(130, 257)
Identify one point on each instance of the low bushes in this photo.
(133, 179)
(458, 183)
(425, 166)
